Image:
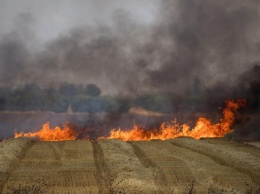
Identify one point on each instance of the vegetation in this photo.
(89, 99)
(33, 98)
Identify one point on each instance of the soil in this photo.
(181, 165)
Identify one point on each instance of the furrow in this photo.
(103, 178)
(55, 167)
(12, 151)
(127, 173)
(221, 178)
(177, 176)
(227, 155)
(158, 174)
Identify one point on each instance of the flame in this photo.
(48, 134)
(203, 128)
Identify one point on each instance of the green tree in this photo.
(92, 90)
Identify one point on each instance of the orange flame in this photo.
(203, 128)
(48, 134)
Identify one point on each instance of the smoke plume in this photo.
(213, 41)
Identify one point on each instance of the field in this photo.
(181, 165)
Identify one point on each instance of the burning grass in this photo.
(49, 134)
(204, 128)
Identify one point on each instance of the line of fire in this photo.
(204, 128)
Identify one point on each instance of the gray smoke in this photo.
(129, 47)
(214, 41)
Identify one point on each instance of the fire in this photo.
(48, 134)
(203, 128)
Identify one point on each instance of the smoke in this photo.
(207, 49)
(164, 47)
(212, 41)
(84, 42)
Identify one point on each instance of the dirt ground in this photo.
(181, 165)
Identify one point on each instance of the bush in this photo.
(92, 90)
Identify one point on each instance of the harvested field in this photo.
(54, 167)
(181, 165)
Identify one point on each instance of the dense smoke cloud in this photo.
(79, 42)
(164, 47)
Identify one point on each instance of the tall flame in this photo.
(203, 128)
(48, 134)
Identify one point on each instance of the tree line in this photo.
(88, 99)
(81, 99)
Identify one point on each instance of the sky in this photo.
(52, 18)
(128, 47)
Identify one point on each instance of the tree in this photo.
(68, 90)
(92, 90)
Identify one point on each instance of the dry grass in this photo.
(180, 165)
(127, 174)
(10, 151)
(242, 158)
(55, 167)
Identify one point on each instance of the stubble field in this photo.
(181, 165)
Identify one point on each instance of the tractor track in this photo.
(159, 176)
(15, 163)
(126, 172)
(225, 156)
(178, 176)
(55, 167)
(181, 165)
(103, 177)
